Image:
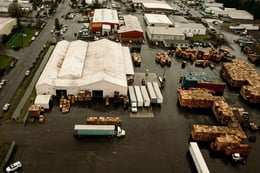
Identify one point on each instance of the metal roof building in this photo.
(132, 28)
(164, 33)
(238, 14)
(6, 25)
(194, 28)
(78, 65)
(157, 20)
(158, 7)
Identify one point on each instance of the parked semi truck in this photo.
(132, 98)
(197, 157)
(104, 121)
(151, 92)
(98, 130)
(139, 97)
(146, 97)
(158, 93)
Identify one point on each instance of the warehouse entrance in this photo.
(97, 95)
(60, 93)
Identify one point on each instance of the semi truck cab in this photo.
(120, 132)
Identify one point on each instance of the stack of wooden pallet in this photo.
(197, 98)
(34, 112)
(222, 111)
(64, 105)
(84, 95)
(72, 98)
(104, 121)
(209, 133)
(223, 141)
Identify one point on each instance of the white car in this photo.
(13, 167)
(3, 81)
(36, 33)
(6, 106)
(33, 38)
(27, 73)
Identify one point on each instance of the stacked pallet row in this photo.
(35, 113)
(223, 112)
(163, 58)
(238, 74)
(72, 98)
(197, 98)
(230, 144)
(137, 59)
(209, 133)
(104, 121)
(84, 95)
(64, 105)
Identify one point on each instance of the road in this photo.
(26, 56)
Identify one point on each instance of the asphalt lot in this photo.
(157, 144)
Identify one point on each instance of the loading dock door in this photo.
(97, 94)
(60, 93)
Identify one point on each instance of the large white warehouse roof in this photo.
(160, 5)
(78, 65)
(131, 24)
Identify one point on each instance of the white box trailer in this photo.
(151, 92)
(197, 157)
(145, 95)
(158, 93)
(139, 97)
(132, 98)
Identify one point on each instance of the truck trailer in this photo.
(197, 157)
(151, 92)
(158, 93)
(140, 101)
(98, 130)
(145, 96)
(132, 98)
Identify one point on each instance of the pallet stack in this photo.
(209, 133)
(223, 112)
(84, 95)
(238, 74)
(163, 58)
(221, 142)
(64, 105)
(197, 98)
(104, 121)
(35, 112)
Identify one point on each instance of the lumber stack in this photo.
(240, 74)
(84, 95)
(104, 121)
(221, 142)
(35, 112)
(64, 105)
(197, 98)
(223, 112)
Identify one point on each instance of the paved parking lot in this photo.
(154, 144)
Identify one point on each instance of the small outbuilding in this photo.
(44, 101)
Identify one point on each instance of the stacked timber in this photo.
(104, 121)
(223, 112)
(239, 73)
(84, 95)
(35, 113)
(209, 133)
(197, 98)
(163, 58)
(137, 59)
(221, 142)
(64, 105)
(72, 98)
(242, 149)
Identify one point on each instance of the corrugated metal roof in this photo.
(158, 19)
(161, 5)
(164, 30)
(105, 16)
(131, 24)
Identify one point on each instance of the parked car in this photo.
(27, 73)
(3, 81)
(12, 64)
(33, 38)
(6, 107)
(13, 167)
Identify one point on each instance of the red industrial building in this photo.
(132, 29)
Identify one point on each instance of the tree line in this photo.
(252, 6)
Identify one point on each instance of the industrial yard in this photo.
(201, 94)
